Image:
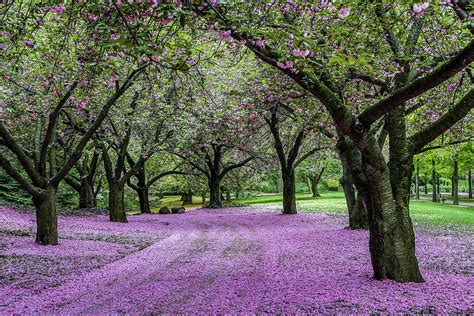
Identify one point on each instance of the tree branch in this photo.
(446, 121)
(419, 86)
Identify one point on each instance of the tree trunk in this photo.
(358, 214)
(355, 205)
(392, 240)
(203, 198)
(469, 184)
(417, 183)
(187, 197)
(215, 193)
(455, 184)
(289, 192)
(438, 191)
(315, 182)
(117, 203)
(433, 182)
(46, 217)
(144, 199)
(86, 194)
(426, 184)
(227, 195)
(308, 183)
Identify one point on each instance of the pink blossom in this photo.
(344, 13)
(286, 65)
(418, 8)
(260, 43)
(300, 53)
(224, 35)
(58, 9)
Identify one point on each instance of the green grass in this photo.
(422, 212)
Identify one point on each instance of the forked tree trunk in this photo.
(456, 184)
(227, 196)
(289, 192)
(214, 194)
(117, 203)
(46, 217)
(86, 194)
(144, 199)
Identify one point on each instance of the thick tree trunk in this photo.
(417, 183)
(117, 203)
(469, 184)
(86, 194)
(456, 184)
(144, 199)
(215, 193)
(392, 240)
(289, 192)
(46, 217)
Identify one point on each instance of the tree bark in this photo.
(392, 240)
(214, 193)
(289, 192)
(314, 183)
(417, 183)
(86, 194)
(456, 183)
(46, 217)
(469, 183)
(426, 184)
(433, 182)
(144, 199)
(187, 197)
(355, 203)
(117, 203)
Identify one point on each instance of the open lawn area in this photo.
(422, 212)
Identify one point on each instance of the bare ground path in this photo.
(236, 260)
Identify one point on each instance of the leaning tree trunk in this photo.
(86, 194)
(214, 194)
(144, 199)
(456, 184)
(358, 214)
(355, 203)
(117, 203)
(46, 217)
(289, 191)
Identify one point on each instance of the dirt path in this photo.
(250, 260)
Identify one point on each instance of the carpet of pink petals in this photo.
(234, 260)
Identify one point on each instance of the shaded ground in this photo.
(250, 260)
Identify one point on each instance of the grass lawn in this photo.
(422, 212)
